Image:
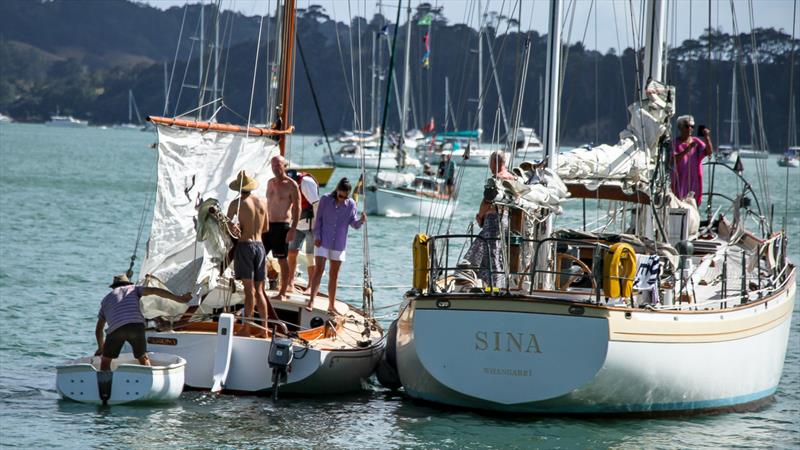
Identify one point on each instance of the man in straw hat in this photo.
(120, 310)
(250, 218)
(283, 200)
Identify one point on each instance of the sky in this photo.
(600, 24)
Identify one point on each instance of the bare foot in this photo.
(243, 332)
(310, 305)
(332, 311)
(278, 297)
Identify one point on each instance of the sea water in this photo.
(72, 202)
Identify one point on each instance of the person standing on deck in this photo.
(447, 171)
(283, 201)
(250, 211)
(688, 153)
(304, 237)
(121, 311)
(336, 212)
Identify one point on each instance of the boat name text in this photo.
(507, 372)
(499, 341)
(161, 341)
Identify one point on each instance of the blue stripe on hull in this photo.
(607, 408)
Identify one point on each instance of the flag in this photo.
(359, 189)
(738, 166)
(429, 127)
(385, 30)
(426, 57)
(425, 20)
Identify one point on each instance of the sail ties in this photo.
(224, 127)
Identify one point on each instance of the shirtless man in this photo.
(283, 200)
(253, 220)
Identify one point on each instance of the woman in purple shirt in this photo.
(687, 160)
(335, 213)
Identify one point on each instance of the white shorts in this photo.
(333, 255)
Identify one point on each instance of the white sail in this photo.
(194, 166)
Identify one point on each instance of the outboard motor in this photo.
(280, 357)
(104, 379)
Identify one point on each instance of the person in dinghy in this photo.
(121, 311)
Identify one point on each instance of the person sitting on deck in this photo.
(687, 159)
(121, 311)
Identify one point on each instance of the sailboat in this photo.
(308, 352)
(132, 108)
(665, 314)
(406, 194)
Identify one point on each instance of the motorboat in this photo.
(354, 156)
(405, 194)
(463, 147)
(66, 121)
(790, 158)
(526, 144)
(81, 380)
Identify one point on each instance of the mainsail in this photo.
(194, 166)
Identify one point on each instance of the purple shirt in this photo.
(687, 171)
(121, 307)
(330, 226)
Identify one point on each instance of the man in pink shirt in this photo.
(687, 160)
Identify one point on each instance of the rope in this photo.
(255, 72)
(175, 58)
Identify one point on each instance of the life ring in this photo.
(419, 249)
(619, 270)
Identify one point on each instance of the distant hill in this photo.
(83, 56)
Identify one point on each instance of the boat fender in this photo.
(387, 366)
(419, 249)
(104, 379)
(619, 270)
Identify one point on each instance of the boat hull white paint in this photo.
(313, 371)
(456, 366)
(370, 161)
(391, 202)
(131, 382)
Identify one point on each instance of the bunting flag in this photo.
(426, 58)
(738, 166)
(425, 20)
(429, 127)
(359, 189)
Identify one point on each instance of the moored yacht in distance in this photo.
(66, 121)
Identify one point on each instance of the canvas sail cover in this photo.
(629, 161)
(193, 167)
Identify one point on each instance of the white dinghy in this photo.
(128, 381)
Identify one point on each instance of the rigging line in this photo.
(314, 97)
(620, 58)
(227, 31)
(186, 71)
(356, 88)
(791, 133)
(341, 60)
(175, 58)
(255, 74)
(387, 100)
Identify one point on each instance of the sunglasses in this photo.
(691, 125)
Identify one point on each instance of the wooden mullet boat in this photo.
(318, 353)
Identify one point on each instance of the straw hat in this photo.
(120, 280)
(244, 183)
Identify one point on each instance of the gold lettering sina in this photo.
(512, 339)
(533, 344)
(480, 341)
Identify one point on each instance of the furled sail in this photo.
(195, 166)
(629, 161)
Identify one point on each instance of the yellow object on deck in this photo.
(321, 173)
(419, 250)
(619, 270)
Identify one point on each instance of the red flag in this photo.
(429, 127)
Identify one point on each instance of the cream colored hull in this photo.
(478, 353)
(395, 203)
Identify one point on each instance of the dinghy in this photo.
(128, 381)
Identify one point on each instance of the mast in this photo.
(406, 76)
(166, 88)
(480, 70)
(130, 106)
(287, 66)
(654, 61)
(372, 89)
(446, 101)
(734, 112)
(215, 89)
